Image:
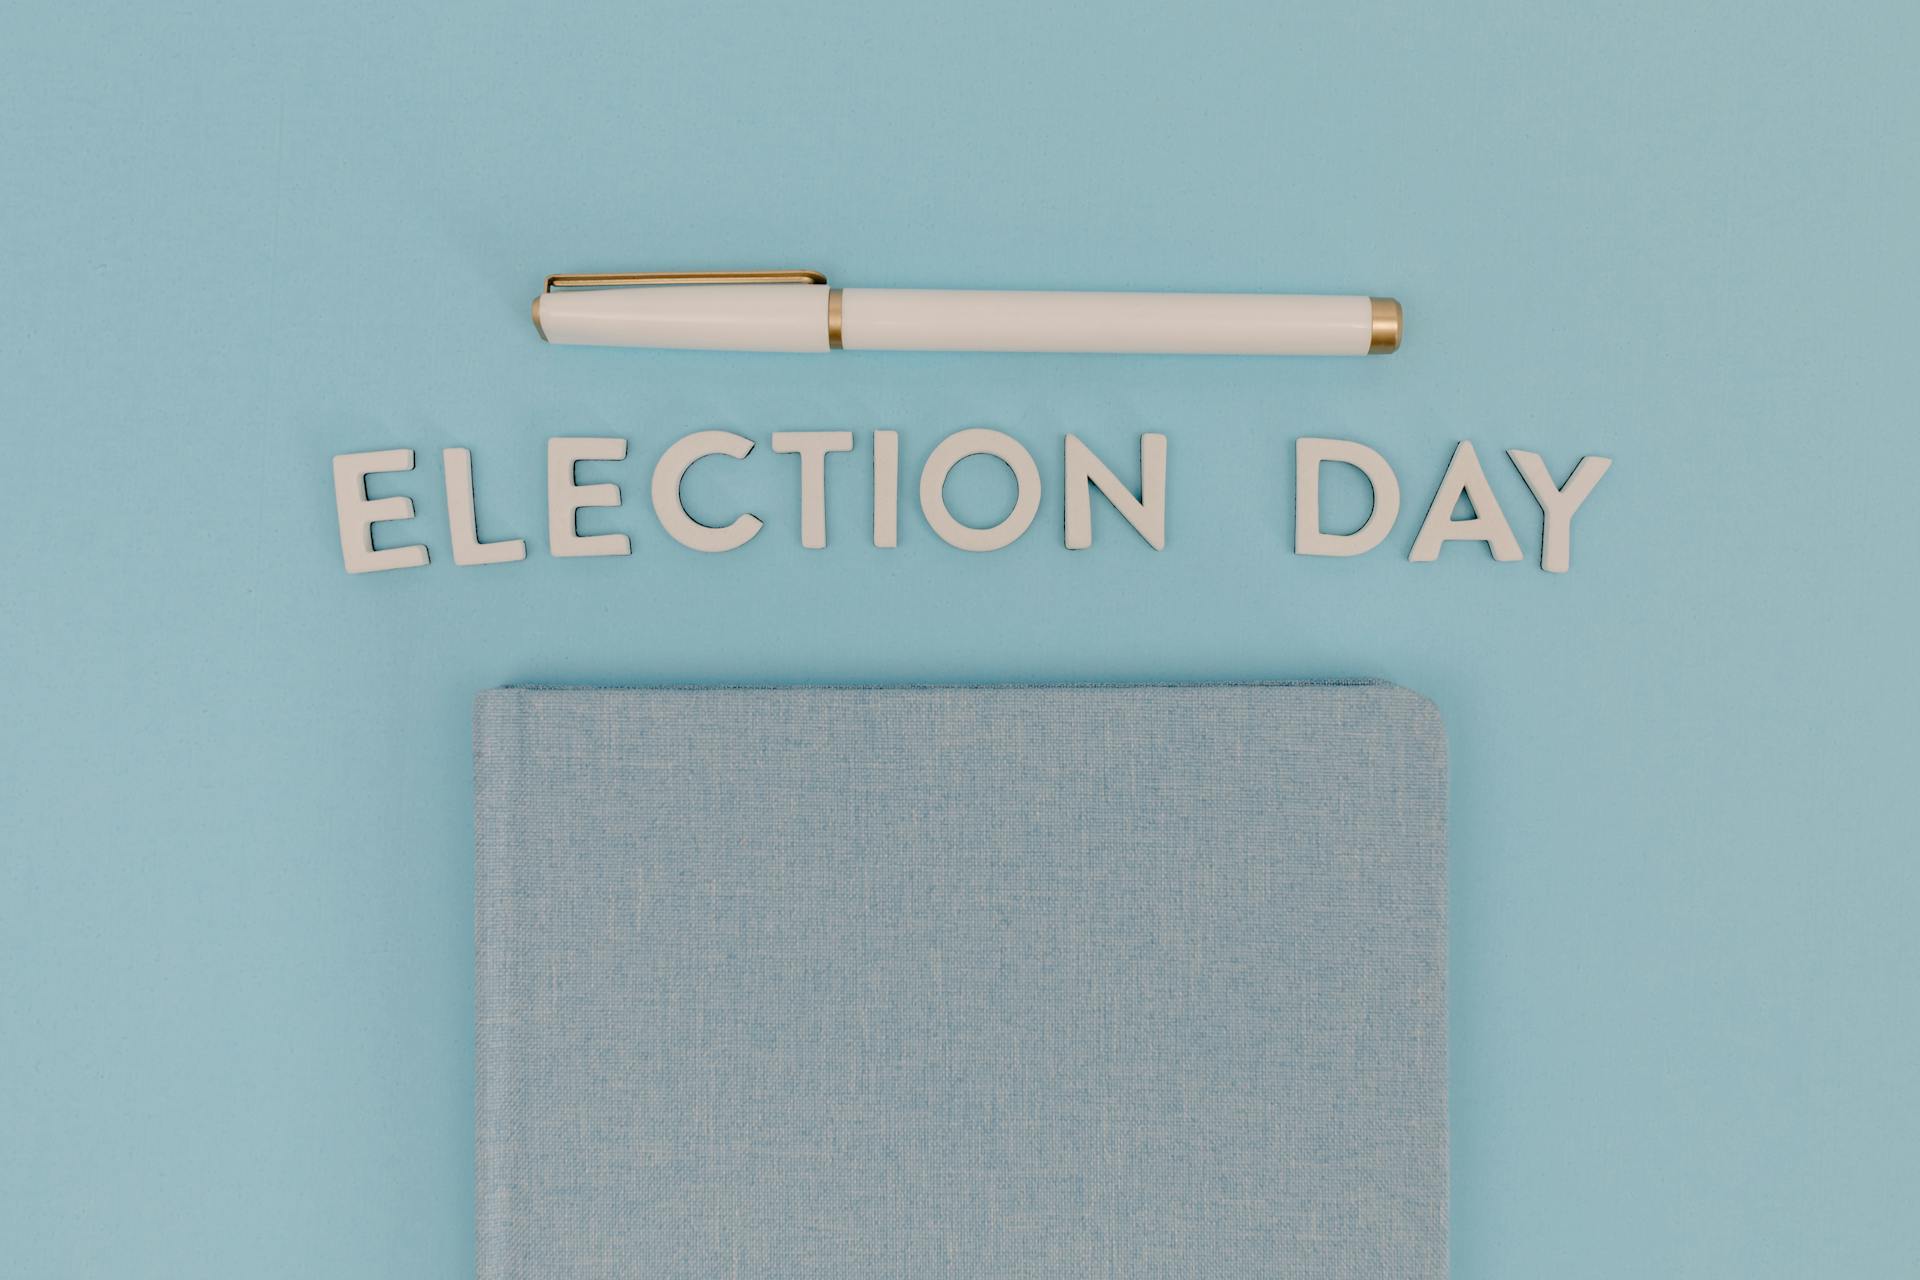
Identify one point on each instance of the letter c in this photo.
(669, 471)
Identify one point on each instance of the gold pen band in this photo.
(1386, 327)
(833, 319)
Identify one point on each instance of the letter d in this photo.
(1308, 538)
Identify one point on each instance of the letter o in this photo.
(955, 449)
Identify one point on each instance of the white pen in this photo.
(799, 311)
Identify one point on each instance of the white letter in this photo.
(813, 448)
(1558, 505)
(1487, 523)
(1148, 516)
(564, 497)
(467, 547)
(358, 515)
(886, 488)
(933, 481)
(1308, 538)
(667, 474)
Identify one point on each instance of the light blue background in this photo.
(235, 931)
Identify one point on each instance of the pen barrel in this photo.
(1139, 323)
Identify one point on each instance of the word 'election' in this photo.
(1145, 511)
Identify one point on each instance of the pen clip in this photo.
(619, 279)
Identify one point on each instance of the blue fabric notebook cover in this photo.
(961, 982)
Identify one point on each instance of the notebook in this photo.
(961, 982)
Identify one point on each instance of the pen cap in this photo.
(688, 317)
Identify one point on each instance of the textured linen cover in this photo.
(972, 982)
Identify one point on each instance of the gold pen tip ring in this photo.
(833, 320)
(1387, 318)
